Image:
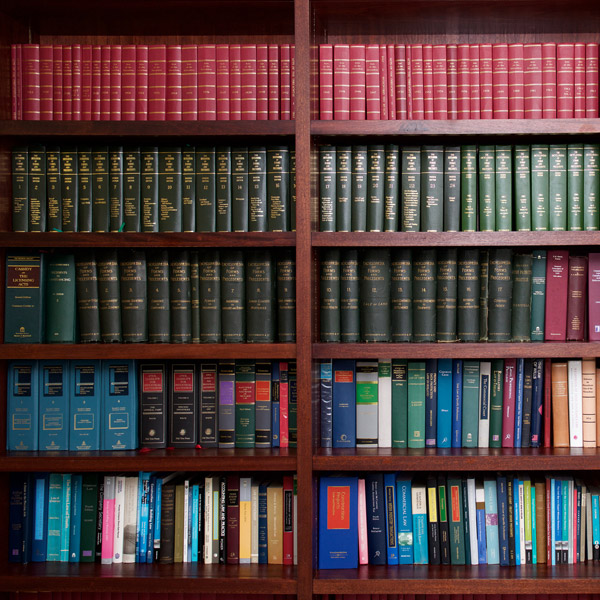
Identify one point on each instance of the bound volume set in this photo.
(152, 517)
(458, 81)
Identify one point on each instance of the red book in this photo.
(284, 396)
(116, 70)
(549, 81)
(428, 81)
(401, 87)
(532, 80)
(222, 79)
(516, 94)
(285, 86)
(141, 83)
(579, 81)
(57, 84)
(464, 82)
(232, 508)
(15, 69)
(189, 82)
(409, 102)
(576, 298)
(207, 82)
(325, 82)
(76, 59)
(565, 80)
(500, 80)
(31, 81)
(475, 82)
(452, 78)
(86, 82)
(591, 80)
(594, 297)
(557, 279)
(440, 82)
(173, 88)
(96, 81)
(248, 81)
(67, 83)
(157, 82)
(547, 412)
(128, 70)
(262, 82)
(391, 81)
(105, 84)
(417, 81)
(508, 403)
(235, 83)
(46, 77)
(341, 82)
(365, 91)
(292, 81)
(384, 111)
(486, 81)
(288, 520)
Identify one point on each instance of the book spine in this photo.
(540, 187)
(504, 197)
(260, 297)
(233, 301)
(180, 297)
(248, 82)
(516, 88)
(508, 410)
(549, 80)
(432, 197)
(521, 297)
(141, 82)
(487, 188)
(375, 295)
(343, 188)
(500, 81)
(417, 90)
(285, 83)
(576, 292)
(274, 99)
(359, 65)
(206, 213)
(128, 76)
(565, 81)
(464, 82)
(401, 81)
(591, 80)
(500, 294)
(556, 295)
(446, 305)
(157, 82)
(401, 295)
(411, 188)
(579, 81)
(169, 189)
(533, 80)
(468, 187)
(257, 188)
(591, 187)
(349, 297)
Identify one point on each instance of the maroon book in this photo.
(452, 77)
(222, 79)
(57, 86)
(105, 83)
(565, 80)
(579, 81)
(401, 87)
(235, 82)
(67, 82)
(157, 82)
(233, 519)
(262, 82)
(500, 80)
(15, 72)
(382, 87)
(428, 81)
(46, 77)
(189, 83)
(486, 81)
(86, 82)
(549, 80)
(292, 81)
(391, 81)
(288, 520)
(248, 81)
(274, 82)
(365, 87)
(409, 91)
(285, 90)
(325, 82)
(532, 80)
(96, 81)
(173, 83)
(508, 402)
(577, 298)
(516, 99)
(128, 62)
(76, 82)
(464, 82)
(591, 80)
(116, 73)
(594, 297)
(341, 82)
(440, 82)
(557, 279)
(141, 82)
(474, 82)
(417, 100)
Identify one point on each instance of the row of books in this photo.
(127, 295)
(153, 188)
(154, 82)
(525, 187)
(88, 405)
(152, 517)
(458, 81)
(458, 294)
(454, 403)
(506, 520)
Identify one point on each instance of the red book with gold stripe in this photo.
(157, 82)
(116, 69)
(274, 82)
(30, 87)
(96, 81)
(500, 80)
(222, 82)
(67, 82)
(428, 81)
(464, 82)
(516, 94)
(207, 81)
(532, 80)
(128, 59)
(189, 82)
(486, 81)
(579, 81)
(401, 87)
(46, 76)
(248, 81)
(325, 82)
(475, 82)
(452, 78)
(57, 89)
(391, 81)
(409, 91)
(549, 80)
(235, 82)
(104, 83)
(86, 82)
(341, 82)
(292, 81)
(565, 80)
(173, 89)
(440, 82)
(76, 82)
(417, 83)
(141, 82)
(285, 84)
(15, 72)
(262, 82)
(384, 111)
(365, 90)
(591, 80)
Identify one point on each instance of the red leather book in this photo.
(391, 81)
(409, 92)
(15, 88)
(341, 82)
(532, 80)
(325, 82)
(285, 85)
(557, 279)
(452, 78)
(565, 80)
(76, 82)
(116, 73)
(475, 82)
(157, 82)
(273, 51)
(222, 95)
(500, 80)
(189, 82)
(549, 80)
(577, 298)
(428, 81)
(365, 91)
(128, 71)
(417, 82)
(105, 84)
(248, 81)
(288, 520)
(579, 81)
(67, 83)
(292, 81)
(516, 93)
(57, 85)
(235, 82)
(173, 88)
(232, 508)
(46, 77)
(508, 402)
(31, 81)
(262, 82)
(594, 297)
(547, 411)
(591, 80)
(384, 111)
(96, 81)
(401, 87)
(440, 82)
(86, 82)
(207, 81)
(486, 81)
(141, 82)
(464, 82)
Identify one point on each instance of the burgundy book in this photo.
(173, 86)
(46, 77)
(57, 86)
(325, 82)
(232, 534)
(474, 82)
(591, 80)
(67, 82)
(189, 82)
(96, 81)
(594, 297)
(452, 77)
(235, 82)
(157, 82)
(222, 94)
(416, 75)
(86, 82)
(464, 82)
(285, 84)
(341, 82)
(532, 80)
(207, 82)
(557, 279)
(500, 80)
(440, 82)
(508, 402)
(428, 81)
(358, 67)
(579, 81)
(409, 106)
(288, 520)
(516, 98)
(401, 88)
(292, 81)
(549, 80)
(565, 80)
(370, 105)
(141, 82)
(391, 82)
(76, 82)
(15, 71)
(486, 81)
(116, 71)
(382, 87)
(248, 81)
(577, 298)
(274, 82)
(262, 82)
(128, 63)
(105, 83)
(547, 412)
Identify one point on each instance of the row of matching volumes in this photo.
(458, 81)
(458, 294)
(87, 405)
(127, 295)
(525, 187)
(152, 517)
(500, 519)
(153, 188)
(444, 403)
(155, 82)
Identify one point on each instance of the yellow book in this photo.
(275, 523)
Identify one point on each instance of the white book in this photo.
(130, 519)
(367, 382)
(588, 402)
(522, 522)
(575, 403)
(186, 512)
(119, 510)
(254, 522)
(385, 403)
(208, 519)
(485, 384)
(472, 504)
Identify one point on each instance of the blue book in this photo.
(338, 523)
(195, 513)
(65, 517)
(86, 404)
(431, 401)
(27, 515)
(54, 404)
(55, 493)
(263, 546)
(491, 522)
(419, 519)
(444, 403)
(389, 486)
(151, 518)
(22, 412)
(480, 514)
(143, 515)
(553, 516)
(596, 524)
(39, 534)
(75, 535)
(457, 403)
(119, 431)
(502, 497)
(405, 526)
(519, 401)
(15, 534)
(565, 511)
(275, 379)
(326, 405)
(376, 527)
(537, 402)
(344, 404)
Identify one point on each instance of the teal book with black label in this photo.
(401, 305)
(278, 174)
(375, 187)
(286, 297)
(206, 211)
(522, 184)
(260, 296)
(53, 189)
(391, 207)
(233, 297)
(359, 188)
(330, 295)
(60, 303)
(487, 188)
(100, 179)
(411, 188)
(115, 188)
(149, 189)
(432, 188)
(84, 189)
(169, 189)
(37, 188)
(180, 296)
(157, 272)
(188, 188)
(452, 188)
(424, 295)
(257, 188)
(557, 174)
(131, 189)
(327, 188)
(69, 188)
(209, 275)
(239, 189)
(343, 188)
(375, 295)
(349, 296)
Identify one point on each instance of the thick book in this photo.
(109, 296)
(404, 521)
(344, 404)
(500, 295)
(133, 293)
(349, 297)
(180, 296)
(226, 409)
(557, 269)
(375, 295)
(60, 299)
(327, 188)
(120, 407)
(22, 406)
(391, 526)
(233, 300)
(416, 404)
(153, 405)
(245, 403)
(261, 297)
(54, 396)
(424, 291)
(367, 396)
(183, 405)
(375, 509)
(88, 308)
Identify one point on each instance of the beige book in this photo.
(560, 405)
(275, 523)
(588, 383)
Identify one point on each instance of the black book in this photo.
(195, 295)
(206, 213)
(239, 189)
(169, 189)
(401, 295)
(100, 176)
(260, 296)
(88, 309)
(233, 297)
(209, 276)
(330, 295)
(84, 189)
(109, 296)
(433, 526)
(375, 295)
(20, 189)
(68, 188)
(183, 405)
(223, 188)
(53, 189)
(257, 188)
(149, 189)
(188, 189)
(167, 525)
(37, 188)
(376, 529)
(134, 311)
(153, 405)
(424, 294)
(131, 189)
(444, 517)
(278, 174)
(157, 273)
(286, 297)
(527, 403)
(180, 296)
(115, 188)
(349, 297)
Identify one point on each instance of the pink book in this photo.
(116, 68)
(363, 542)
(235, 82)
(341, 82)
(475, 82)
(428, 81)
(285, 90)
(409, 91)
(516, 97)
(452, 78)
(440, 82)
(391, 82)
(401, 88)
(486, 81)
(96, 81)
(532, 80)
(157, 82)
(417, 81)
(274, 82)
(15, 65)
(500, 80)
(262, 82)
(594, 297)
(549, 81)
(557, 279)
(105, 84)
(46, 77)
(365, 93)
(464, 82)
(222, 82)
(86, 82)
(292, 81)
(141, 82)
(108, 520)
(591, 80)
(248, 81)
(67, 82)
(325, 82)
(31, 81)
(565, 80)
(579, 81)
(508, 402)
(284, 387)
(384, 112)
(76, 61)
(128, 61)
(173, 87)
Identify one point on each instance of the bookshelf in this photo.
(304, 23)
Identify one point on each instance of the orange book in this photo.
(589, 402)
(560, 405)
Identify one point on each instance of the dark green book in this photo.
(359, 188)
(330, 295)
(132, 189)
(468, 187)
(206, 188)
(504, 199)
(223, 188)
(432, 188)
(391, 207)
(245, 404)
(109, 295)
(292, 192)
(411, 188)
(257, 188)
(37, 188)
(484, 281)
(487, 188)
(343, 188)
(100, 178)
(452, 188)
(89, 514)
(180, 297)
(53, 189)
(470, 406)
(416, 404)
(286, 297)
(327, 188)
(84, 189)
(500, 295)
(447, 283)
(399, 403)
(575, 187)
(60, 299)
(349, 296)
(521, 297)
(149, 189)
(557, 174)
(424, 294)
(540, 187)
(188, 189)
(401, 295)
(88, 308)
(134, 306)
(260, 296)
(278, 173)
(538, 295)
(496, 399)
(375, 187)
(239, 189)
(209, 274)
(233, 300)
(522, 171)
(467, 304)
(69, 187)
(169, 189)
(115, 188)
(375, 284)
(20, 189)
(591, 187)
(157, 272)
(195, 295)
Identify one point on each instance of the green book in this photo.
(399, 403)
(416, 404)
(327, 188)
(53, 191)
(349, 296)
(233, 300)
(60, 299)
(411, 188)
(432, 188)
(84, 190)
(375, 295)
(109, 295)
(487, 188)
(455, 521)
(330, 295)
(115, 188)
(424, 294)
(89, 514)
(209, 267)
(467, 302)
(257, 188)
(134, 301)
(521, 297)
(391, 207)
(468, 187)
(375, 187)
(538, 295)
(100, 185)
(37, 188)
(500, 295)
(195, 295)
(20, 189)
(239, 189)
(540, 187)
(343, 188)
(260, 296)
(452, 188)
(68, 188)
(206, 186)
(88, 309)
(180, 296)
(447, 284)
(470, 404)
(496, 398)
(149, 188)
(504, 198)
(359, 188)
(188, 189)
(575, 187)
(286, 297)
(169, 189)
(157, 272)
(401, 295)
(484, 284)
(278, 173)
(245, 404)
(522, 170)
(557, 174)
(591, 187)
(132, 189)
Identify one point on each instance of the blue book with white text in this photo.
(519, 401)
(389, 486)
(85, 405)
(431, 401)
(344, 403)
(22, 400)
(405, 526)
(444, 403)
(119, 431)
(54, 405)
